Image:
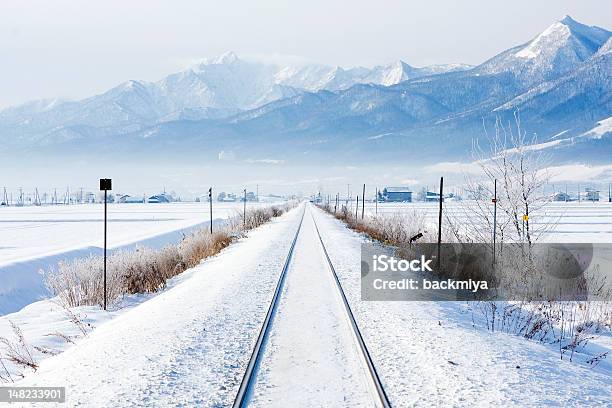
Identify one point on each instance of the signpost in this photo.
(105, 185)
(210, 201)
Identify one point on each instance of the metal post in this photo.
(211, 215)
(376, 200)
(357, 207)
(494, 218)
(363, 202)
(440, 219)
(105, 192)
(244, 212)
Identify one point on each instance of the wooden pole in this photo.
(494, 218)
(363, 202)
(244, 212)
(440, 219)
(376, 200)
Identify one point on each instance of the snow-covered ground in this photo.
(310, 334)
(574, 222)
(430, 354)
(186, 346)
(37, 238)
(189, 345)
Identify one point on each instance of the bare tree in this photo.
(519, 167)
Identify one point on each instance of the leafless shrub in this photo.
(18, 351)
(79, 282)
(63, 336)
(5, 375)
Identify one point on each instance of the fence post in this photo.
(440, 219)
(357, 206)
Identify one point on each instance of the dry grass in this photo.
(79, 282)
(17, 351)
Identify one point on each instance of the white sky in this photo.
(76, 48)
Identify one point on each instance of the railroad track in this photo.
(250, 375)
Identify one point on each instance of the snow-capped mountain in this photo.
(560, 80)
(558, 49)
(215, 88)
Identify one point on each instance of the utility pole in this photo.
(363, 202)
(376, 200)
(210, 203)
(440, 219)
(348, 192)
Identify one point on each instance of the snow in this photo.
(430, 354)
(189, 344)
(186, 346)
(310, 334)
(603, 127)
(574, 222)
(37, 238)
(557, 29)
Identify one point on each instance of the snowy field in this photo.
(440, 354)
(574, 222)
(36, 238)
(199, 333)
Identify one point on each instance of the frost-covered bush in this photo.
(80, 281)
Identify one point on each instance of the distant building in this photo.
(591, 194)
(396, 194)
(226, 197)
(160, 198)
(127, 199)
(561, 196)
(431, 196)
(250, 196)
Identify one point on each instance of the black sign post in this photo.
(210, 201)
(105, 185)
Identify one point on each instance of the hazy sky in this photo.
(76, 48)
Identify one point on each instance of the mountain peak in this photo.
(565, 33)
(226, 58)
(568, 20)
